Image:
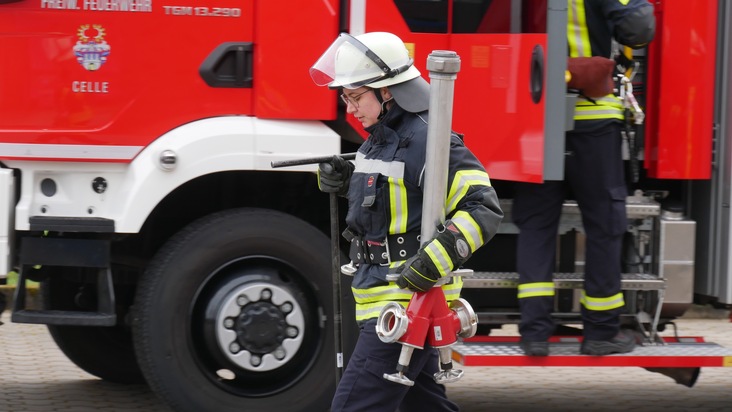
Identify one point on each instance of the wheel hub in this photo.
(260, 326)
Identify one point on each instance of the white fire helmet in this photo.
(374, 59)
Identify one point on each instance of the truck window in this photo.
(424, 16)
(474, 16)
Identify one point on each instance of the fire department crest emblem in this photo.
(91, 50)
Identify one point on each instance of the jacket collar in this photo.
(384, 130)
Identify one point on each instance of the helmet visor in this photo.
(350, 64)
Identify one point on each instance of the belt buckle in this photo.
(388, 253)
(385, 255)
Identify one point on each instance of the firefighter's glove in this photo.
(447, 251)
(335, 176)
(418, 273)
(592, 76)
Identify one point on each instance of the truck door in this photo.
(123, 72)
(509, 97)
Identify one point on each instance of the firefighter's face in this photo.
(363, 104)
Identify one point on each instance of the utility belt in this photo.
(394, 248)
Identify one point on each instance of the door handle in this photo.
(536, 76)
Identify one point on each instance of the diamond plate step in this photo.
(564, 351)
(637, 207)
(630, 281)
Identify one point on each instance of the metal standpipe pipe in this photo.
(443, 66)
(428, 319)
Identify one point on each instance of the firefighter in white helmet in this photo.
(385, 92)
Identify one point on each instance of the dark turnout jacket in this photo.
(385, 202)
(592, 26)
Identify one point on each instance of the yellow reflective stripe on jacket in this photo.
(608, 107)
(578, 36)
(532, 290)
(381, 293)
(397, 206)
(369, 302)
(462, 181)
(599, 304)
(469, 228)
(610, 100)
(579, 45)
(452, 290)
(367, 311)
(439, 257)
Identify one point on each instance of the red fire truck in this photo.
(136, 142)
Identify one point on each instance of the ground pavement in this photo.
(36, 377)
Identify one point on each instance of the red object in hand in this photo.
(592, 76)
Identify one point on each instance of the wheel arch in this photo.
(295, 193)
(214, 146)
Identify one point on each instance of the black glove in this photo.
(335, 176)
(416, 273)
(420, 272)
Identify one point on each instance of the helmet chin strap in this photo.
(384, 109)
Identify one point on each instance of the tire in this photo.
(231, 315)
(105, 352)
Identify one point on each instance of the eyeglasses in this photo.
(352, 100)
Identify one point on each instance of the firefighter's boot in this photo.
(623, 342)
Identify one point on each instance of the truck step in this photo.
(678, 352)
(88, 253)
(630, 281)
(495, 317)
(63, 317)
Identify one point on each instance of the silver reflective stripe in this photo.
(535, 289)
(451, 294)
(398, 206)
(371, 308)
(462, 181)
(597, 112)
(439, 257)
(380, 293)
(610, 100)
(368, 166)
(469, 228)
(578, 38)
(607, 107)
(68, 151)
(609, 303)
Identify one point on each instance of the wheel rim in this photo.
(259, 327)
(251, 328)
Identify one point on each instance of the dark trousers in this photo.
(594, 173)
(363, 387)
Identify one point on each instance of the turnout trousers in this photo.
(363, 387)
(594, 173)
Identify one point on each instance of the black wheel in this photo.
(105, 352)
(231, 315)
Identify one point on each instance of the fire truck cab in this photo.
(136, 143)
